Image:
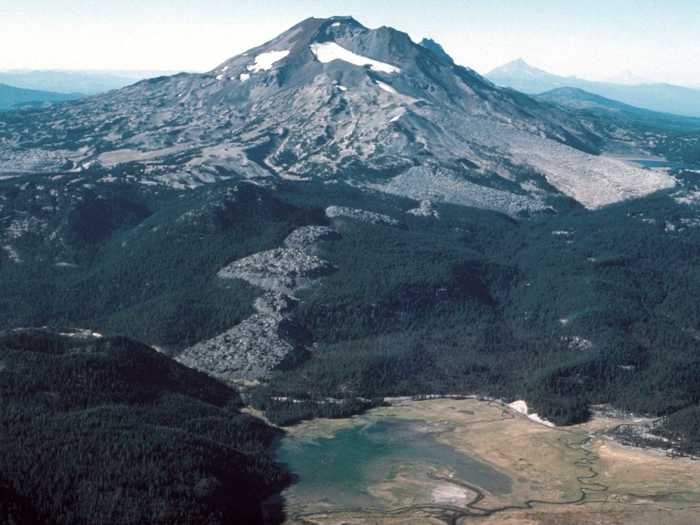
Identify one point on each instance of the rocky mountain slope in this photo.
(634, 129)
(270, 337)
(331, 99)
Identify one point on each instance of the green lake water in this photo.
(337, 470)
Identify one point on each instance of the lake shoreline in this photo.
(568, 466)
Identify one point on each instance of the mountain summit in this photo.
(517, 67)
(436, 48)
(333, 99)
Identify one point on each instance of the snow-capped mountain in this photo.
(332, 99)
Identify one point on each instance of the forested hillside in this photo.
(108, 431)
(563, 310)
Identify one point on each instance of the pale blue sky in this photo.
(599, 39)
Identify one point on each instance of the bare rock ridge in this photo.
(334, 212)
(281, 270)
(263, 341)
(330, 99)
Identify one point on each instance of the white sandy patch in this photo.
(521, 407)
(244, 77)
(450, 494)
(265, 61)
(329, 51)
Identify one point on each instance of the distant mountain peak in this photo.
(628, 78)
(517, 67)
(519, 62)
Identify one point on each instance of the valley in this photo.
(453, 460)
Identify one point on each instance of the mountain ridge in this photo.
(12, 97)
(85, 83)
(663, 97)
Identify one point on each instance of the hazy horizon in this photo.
(602, 41)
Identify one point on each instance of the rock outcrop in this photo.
(269, 337)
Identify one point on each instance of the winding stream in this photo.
(339, 472)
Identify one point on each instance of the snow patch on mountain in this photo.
(329, 51)
(265, 61)
(386, 87)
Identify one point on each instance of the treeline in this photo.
(288, 411)
(683, 429)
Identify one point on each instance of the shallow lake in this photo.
(336, 469)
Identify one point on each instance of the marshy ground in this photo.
(460, 460)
